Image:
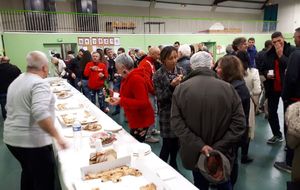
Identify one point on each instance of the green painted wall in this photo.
(1, 47)
(17, 45)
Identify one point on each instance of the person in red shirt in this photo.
(148, 67)
(97, 73)
(134, 97)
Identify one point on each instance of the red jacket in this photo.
(135, 100)
(147, 64)
(95, 82)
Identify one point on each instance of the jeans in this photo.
(3, 103)
(74, 83)
(245, 142)
(154, 105)
(38, 167)
(116, 88)
(85, 89)
(101, 98)
(170, 148)
(273, 101)
(203, 184)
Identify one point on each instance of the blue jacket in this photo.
(252, 53)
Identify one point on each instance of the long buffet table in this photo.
(70, 161)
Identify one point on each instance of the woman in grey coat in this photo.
(165, 80)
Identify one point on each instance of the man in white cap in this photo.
(29, 125)
(206, 115)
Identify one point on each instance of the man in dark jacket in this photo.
(290, 95)
(73, 69)
(206, 119)
(259, 61)
(275, 64)
(9, 73)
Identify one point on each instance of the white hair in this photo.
(125, 60)
(36, 59)
(185, 50)
(201, 59)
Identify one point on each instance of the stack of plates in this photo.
(112, 128)
(141, 148)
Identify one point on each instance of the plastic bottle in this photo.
(77, 136)
(98, 145)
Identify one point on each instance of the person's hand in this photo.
(176, 81)
(279, 50)
(114, 101)
(206, 150)
(73, 76)
(62, 143)
(101, 75)
(79, 83)
(94, 68)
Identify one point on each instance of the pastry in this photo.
(68, 119)
(92, 127)
(61, 106)
(150, 186)
(114, 175)
(107, 155)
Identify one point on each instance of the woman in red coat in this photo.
(134, 97)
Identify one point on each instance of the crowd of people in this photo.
(203, 107)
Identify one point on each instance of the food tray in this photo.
(126, 182)
(84, 117)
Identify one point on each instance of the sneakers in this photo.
(155, 132)
(275, 140)
(283, 167)
(151, 139)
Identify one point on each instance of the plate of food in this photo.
(57, 89)
(68, 106)
(63, 94)
(106, 138)
(83, 117)
(91, 127)
(67, 119)
(106, 155)
(86, 117)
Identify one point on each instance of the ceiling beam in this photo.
(216, 2)
(264, 5)
(247, 1)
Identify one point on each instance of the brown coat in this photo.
(206, 111)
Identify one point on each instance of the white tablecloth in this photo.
(70, 161)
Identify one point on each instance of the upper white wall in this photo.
(203, 13)
(137, 10)
(288, 15)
